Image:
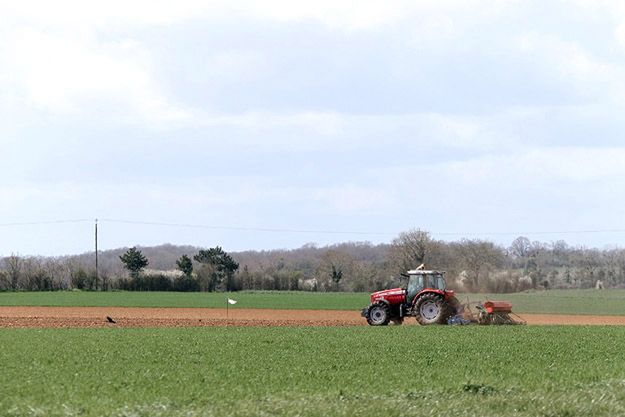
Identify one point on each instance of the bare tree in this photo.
(14, 265)
(520, 247)
(336, 268)
(588, 262)
(478, 256)
(413, 248)
(4, 281)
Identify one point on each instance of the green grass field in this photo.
(599, 302)
(390, 371)
(606, 302)
(246, 299)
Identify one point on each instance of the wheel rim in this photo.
(429, 310)
(377, 315)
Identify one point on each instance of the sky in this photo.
(274, 124)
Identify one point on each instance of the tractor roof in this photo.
(424, 272)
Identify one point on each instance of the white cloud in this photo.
(74, 76)
(569, 62)
(539, 167)
(326, 124)
(348, 15)
(334, 131)
(72, 57)
(76, 13)
(353, 198)
(474, 111)
(224, 197)
(234, 66)
(619, 34)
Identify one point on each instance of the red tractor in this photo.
(425, 298)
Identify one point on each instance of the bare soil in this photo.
(58, 317)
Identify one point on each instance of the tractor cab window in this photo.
(415, 285)
(438, 282)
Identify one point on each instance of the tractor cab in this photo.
(419, 279)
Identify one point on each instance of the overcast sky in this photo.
(477, 119)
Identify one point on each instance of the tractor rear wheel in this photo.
(453, 306)
(430, 309)
(379, 314)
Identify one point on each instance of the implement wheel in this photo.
(379, 314)
(430, 309)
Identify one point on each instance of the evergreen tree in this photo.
(134, 261)
(185, 265)
(217, 266)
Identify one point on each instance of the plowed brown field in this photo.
(186, 317)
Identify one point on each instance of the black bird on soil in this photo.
(110, 320)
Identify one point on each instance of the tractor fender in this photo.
(428, 291)
(365, 311)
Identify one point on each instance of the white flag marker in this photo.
(230, 301)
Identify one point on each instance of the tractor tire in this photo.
(430, 309)
(378, 314)
(453, 306)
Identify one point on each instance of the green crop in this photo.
(247, 299)
(596, 302)
(358, 371)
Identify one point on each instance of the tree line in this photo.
(471, 264)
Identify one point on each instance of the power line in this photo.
(308, 231)
(245, 229)
(560, 232)
(281, 230)
(44, 222)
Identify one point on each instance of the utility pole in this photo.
(97, 275)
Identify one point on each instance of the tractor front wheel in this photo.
(379, 314)
(430, 309)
